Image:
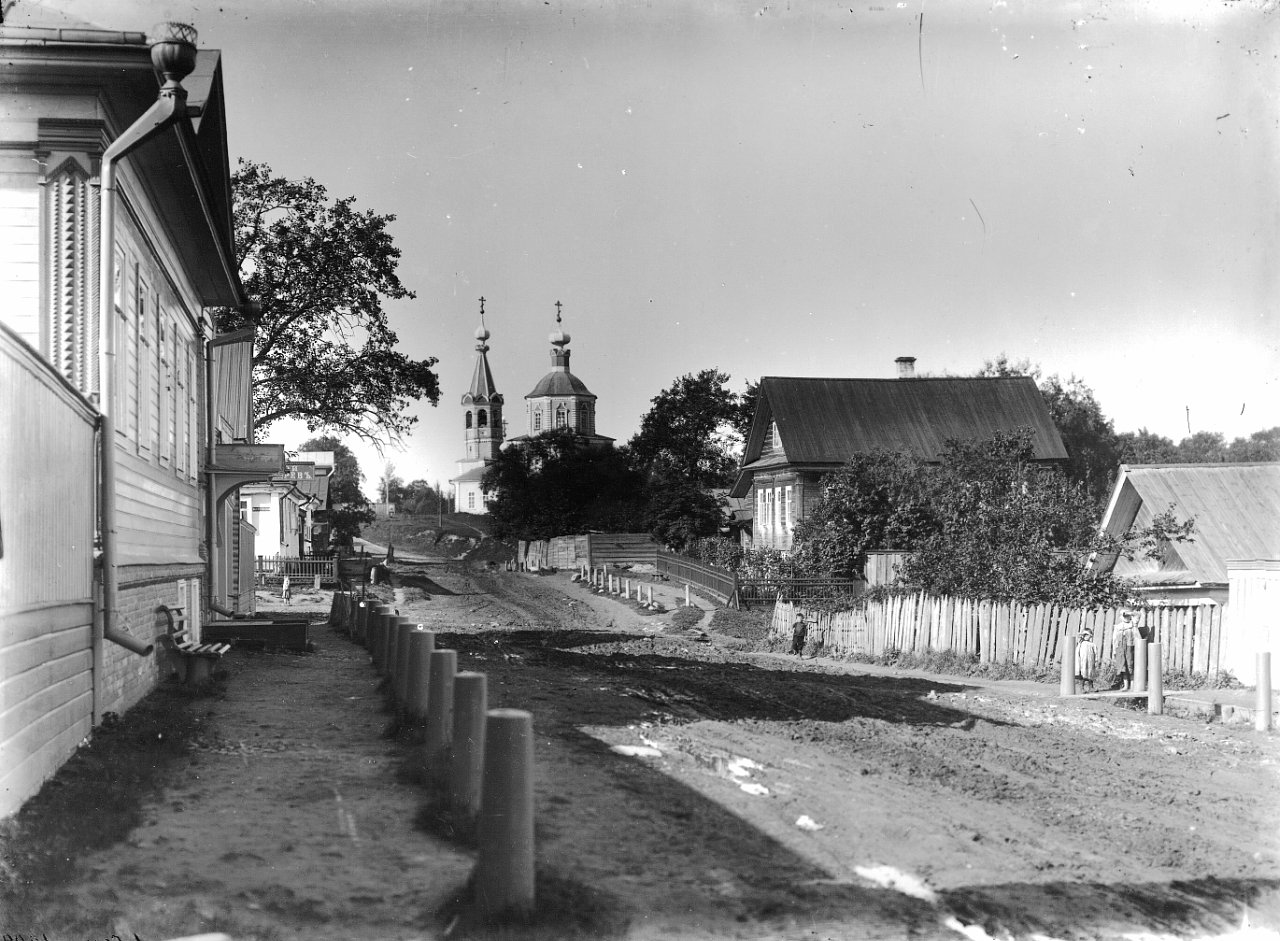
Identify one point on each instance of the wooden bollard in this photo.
(1262, 704)
(400, 678)
(648, 592)
(466, 748)
(444, 664)
(626, 589)
(1155, 677)
(1139, 664)
(362, 614)
(422, 643)
(1067, 685)
(382, 618)
(504, 876)
(686, 595)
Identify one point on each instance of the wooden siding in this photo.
(157, 514)
(47, 442)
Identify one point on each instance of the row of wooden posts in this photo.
(1148, 679)
(599, 577)
(480, 759)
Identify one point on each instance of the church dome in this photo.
(559, 382)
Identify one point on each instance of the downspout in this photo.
(174, 55)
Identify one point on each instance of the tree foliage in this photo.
(324, 352)
(986, 522)
(683, 436)
(555, 485)
(349, 508)
(878, 500)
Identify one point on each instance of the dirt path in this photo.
(697, 792)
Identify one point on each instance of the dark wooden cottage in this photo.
(804, 428)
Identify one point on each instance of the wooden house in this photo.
(1236, 508)
(125, 424)
(805, 428)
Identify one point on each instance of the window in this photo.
(782, 508)
(471, 500)
(163, 381)
(561, 416)
(191, 430)
(468, 420)
(145, 364)
(787, 515)
(537, 420)
(482, 419)
(181, 442)
(124, 342)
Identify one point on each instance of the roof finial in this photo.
(558, 337)
(558, 306)
(482, 310)
(482, 334)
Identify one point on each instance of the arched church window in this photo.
(482, 419)
(561, 416)
(468, 419)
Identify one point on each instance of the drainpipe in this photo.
(174, 55)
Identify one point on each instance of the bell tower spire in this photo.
(482, 403)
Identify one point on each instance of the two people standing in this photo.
(1126, 636)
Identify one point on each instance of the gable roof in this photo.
(1236, 509)
(826, 421)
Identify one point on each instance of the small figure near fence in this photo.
(1125, 636)
(799, 634)
(1086, 662)
(286, 592)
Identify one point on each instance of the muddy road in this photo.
(688, 787)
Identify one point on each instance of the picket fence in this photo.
(1029, 635)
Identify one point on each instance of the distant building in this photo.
(561, 401)
(805, 428)
(1236, 508)
(482, 428)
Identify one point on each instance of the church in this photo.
(560, 400)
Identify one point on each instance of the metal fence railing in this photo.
(717, 581)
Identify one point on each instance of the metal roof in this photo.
(1236, 508)
(829, 420)
(560, 382)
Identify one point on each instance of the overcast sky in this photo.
(804, 188)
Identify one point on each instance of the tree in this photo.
(878, 500)
(1259, 446)
(1203, 447)
(1145, 447)
(323, 351)
(390, 486)
(349, 508)
(687, 435)
(421, 498)
(679, 513)
(1093, 447)
(556, 485)
(746, 409)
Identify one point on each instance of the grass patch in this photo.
(97, 797)
(685, 618)
(751, 626)
(957, 664)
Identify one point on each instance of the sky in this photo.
(800, 188)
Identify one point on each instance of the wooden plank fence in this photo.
(273, 568)
(997, 632)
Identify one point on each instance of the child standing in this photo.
(286, 593)
(1086, 662)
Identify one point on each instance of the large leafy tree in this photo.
(555, 485)
(689, 433)
(349, 508)
(324, 352)
(1093, 447)
(878, 500)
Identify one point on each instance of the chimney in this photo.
(906, 367)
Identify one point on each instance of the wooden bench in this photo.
(196, 657)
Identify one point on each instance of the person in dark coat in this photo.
(1126, 634)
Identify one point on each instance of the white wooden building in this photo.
(124, 421)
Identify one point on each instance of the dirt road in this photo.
(687, 789)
